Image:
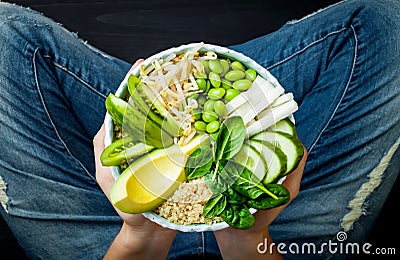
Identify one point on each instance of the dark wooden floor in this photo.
(135, 29)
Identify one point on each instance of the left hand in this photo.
(139, 237)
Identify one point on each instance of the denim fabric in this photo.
(341, 64)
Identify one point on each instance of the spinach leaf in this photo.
(246, 182)
(238, 216)
(199, 162)
(230, 138)
(265, 201)
(214, 206)
(220, 182)
(235, 197)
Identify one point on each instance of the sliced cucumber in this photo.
(252, 160)
(274, 157)
(289, 144)
(285, 126)
(122, 150)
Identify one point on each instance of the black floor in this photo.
(134, 29)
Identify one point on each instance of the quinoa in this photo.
(185, 206)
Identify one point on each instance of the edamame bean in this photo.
(209, 116)
(215, 66)
(242, 84)
(225, 65)
(200, 126)
(194, 96)
(196, 113)
(226, 84)
(209, 105)
(216, 93)
(201, 99)
(251, 74)
(236, 65)
(202, 83)
(231, 94)
(220, 108)
(215, 79)
(200, 75)
(234, 75)
(206, 67)
(208, 86)
(212, 127)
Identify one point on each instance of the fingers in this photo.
(103, 174)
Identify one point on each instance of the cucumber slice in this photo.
(274, 157)
(285, 126)
(122, 150)
(289, 144)
(252, 160)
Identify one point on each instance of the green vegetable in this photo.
(225, 65)
(265, 201)
(220, 108)
(236, 65)
(231, 94)
(215, 66)
(135, 123)
(200, 75)
(238, 216)
(209, 116)
(202, 84)
(251, 158)
(235, 197)
(199, 162)
(221, 182)
(246, 182)
(242, 84)
(212, 127)
(215, 79)
(251, 74)
(234, 75)
(169, 124)
(201, 99)
(121, 150)
(275, 159)
(206, 67)
(285, 125)
(289, 144)
(209, 105)
(216, 93)
(230, 138)
(196, 113)
(226, 84)
(214, 206)
(200, 126)
(159, 116)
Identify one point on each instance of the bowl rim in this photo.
(122, 88)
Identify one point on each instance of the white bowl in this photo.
(221, 51)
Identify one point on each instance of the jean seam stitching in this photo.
(344, 92)
(305, 48)
(50, 119)
(203, 243)
(65, 69)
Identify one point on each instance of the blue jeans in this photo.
(341, 64)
